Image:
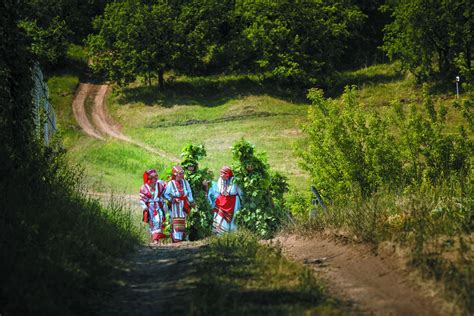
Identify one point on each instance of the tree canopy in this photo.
(433, 39)
(286, 40)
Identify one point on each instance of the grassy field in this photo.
(215, 111)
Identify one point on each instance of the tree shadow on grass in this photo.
(360, 79)
(208, 92)
(213, 91)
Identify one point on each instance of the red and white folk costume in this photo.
(225, 197)
(152, 203)
(178, 192)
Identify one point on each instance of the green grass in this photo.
(217, 111)
(113, 166)
(271, 124)
(239, 276)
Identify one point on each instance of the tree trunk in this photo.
(468, 58)
(161, 80)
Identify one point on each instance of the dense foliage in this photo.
(352, 149)
(52, 25)
(134, 39)
(433, 39)
(200, 220)
(403, 176)
(262, 206)
(288, 41)
(56, 246)
(297, 42)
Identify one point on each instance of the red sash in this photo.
(225, 206)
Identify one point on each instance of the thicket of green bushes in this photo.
(400, 175)
(56, 245)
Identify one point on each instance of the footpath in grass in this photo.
(232, 274)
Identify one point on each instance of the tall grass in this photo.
(57, 245)
(238, 275)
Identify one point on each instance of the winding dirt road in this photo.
(101, 124)
(375, 284)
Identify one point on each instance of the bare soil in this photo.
(374, 281)
(102, 124)
(156, 280)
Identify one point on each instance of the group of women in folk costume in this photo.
(155, 196)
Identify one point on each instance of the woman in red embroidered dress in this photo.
(225, 197)
(151, 201)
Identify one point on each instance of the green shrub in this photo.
(200, 220)
(350, 149)
(354, 151)
(262, 202)
(401, 177)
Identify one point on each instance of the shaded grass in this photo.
(58, 246)
(240, 276)
(208, 91)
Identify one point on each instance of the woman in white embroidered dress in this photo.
(152, 204)
(178, 192)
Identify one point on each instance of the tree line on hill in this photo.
(302, 43)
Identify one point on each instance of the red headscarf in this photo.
(175, 171)
(226, 171)
(149, 174)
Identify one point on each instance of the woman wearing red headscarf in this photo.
(178, 192)
(151, 201)
(225, 198)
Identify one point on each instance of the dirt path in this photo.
(102, 123)
(375, 284)
(79, 110)
(161, 279)
(155, 281)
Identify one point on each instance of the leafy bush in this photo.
(298, 203)
(200, 220)
(263, 205)
(400, 177)
(354, 151)
(350, 149)
(427, 151)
